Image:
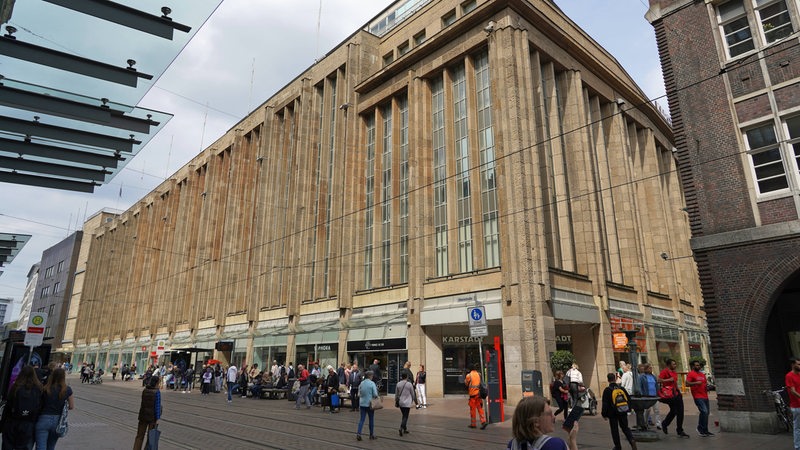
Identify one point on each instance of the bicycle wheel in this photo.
(784, 417)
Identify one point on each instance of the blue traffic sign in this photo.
(476, 314)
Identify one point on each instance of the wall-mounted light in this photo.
(489, 27)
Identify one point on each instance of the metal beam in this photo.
(55, 183)
(28, 128)
(46, 168)
(48, 104)
(14, 48)
(59, 153)
(125, 15)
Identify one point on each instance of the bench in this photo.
(274, 393)
(343, 396)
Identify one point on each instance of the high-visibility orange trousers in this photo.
(476, 403)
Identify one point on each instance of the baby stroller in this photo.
(586, 399)
(97, 378)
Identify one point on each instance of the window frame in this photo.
(751, 12)
(784, 144)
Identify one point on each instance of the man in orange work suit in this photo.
(473, 382)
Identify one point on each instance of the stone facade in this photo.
(458, 154)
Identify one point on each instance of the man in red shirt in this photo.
(669, 378)
(793, 388)
(696, 380)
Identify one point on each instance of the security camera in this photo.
(489, 27)
(664, 256)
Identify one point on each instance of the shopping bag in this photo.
(334, 400)
(63, 426)
(152, 438)
(376, 403)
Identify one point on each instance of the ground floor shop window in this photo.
(457, 361)
(669, 350)
(264, 356)
(324, 354)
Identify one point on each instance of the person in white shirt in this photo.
(575, 379)
(233, 374)
(626, 380)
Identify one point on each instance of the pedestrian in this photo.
(407, 370)
(696, 380)
(353, 383)
(367, 390)
(56, 394)
(473, 382)
(341, 374)
(188, 377)
(208, 378)
(24, 403)
(377, 375)
(231, 379)
(114, 370)
(626, 380)
(405, 396)
(575, 378)
(669, 383)
(422, 397)
(243, 381)
(218, 377)
(332, 388)
(302, 395)
(648, 387)
(149, 411)
(616, 419)
(560, 393)
(792, 381)
(533, 420)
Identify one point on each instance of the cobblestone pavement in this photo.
(106, 417)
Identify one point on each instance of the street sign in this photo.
(479, 331)
(477, 321)
(160, 346)
(477, 316)
(35, 332)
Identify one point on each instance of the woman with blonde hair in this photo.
(533, 420)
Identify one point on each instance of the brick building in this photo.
(448, 154)
(733, 82)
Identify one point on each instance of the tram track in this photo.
(274, 427)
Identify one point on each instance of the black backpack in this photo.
(27, 404)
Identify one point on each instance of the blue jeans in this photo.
(702, 421)
(366, 410)
(231, 387)
(796, 417)
(312, 395)
(46, 432)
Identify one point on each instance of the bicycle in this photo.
(781, 407)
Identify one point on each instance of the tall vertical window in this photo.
(491, 229)
(735, 27)
(56, 287)
(386, 198)
(329, 193)
(461, 152)
(317, 182)
(793, 127)
(775, 20)
(402, 105)
(369, 208)
(60, 266)
(439, 178)
(765, 157)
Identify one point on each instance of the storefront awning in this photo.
(317, 337)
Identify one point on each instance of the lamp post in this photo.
(639, 402)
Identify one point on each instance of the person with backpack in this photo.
(149, 411)
(22, 410)
(473, 382)
(56, 394)
(533, 420)
(616, 406)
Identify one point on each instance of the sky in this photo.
(247, 51)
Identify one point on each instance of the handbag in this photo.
(376, 403)
(63, 427)
(152, 438)
(667, 391)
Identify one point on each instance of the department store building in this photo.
(446, 155)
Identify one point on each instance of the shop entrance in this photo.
(782, 335)
(390, 362)
(457, 361)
